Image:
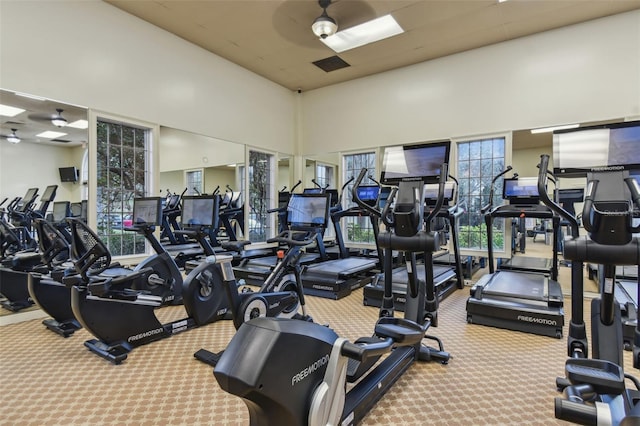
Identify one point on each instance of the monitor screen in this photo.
(308, 210)
(414, 162)
(522, 187)
(431, 191)
(147, 211)
(49, 193)
(578, 151)
(198, 210)
(61, 209)
(68, 174)
(84, 206)
(570, 195)
(31, 192)
(368, 194)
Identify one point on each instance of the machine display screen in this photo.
(198, 210)
(61, 209)
(308, 210)
(414, 162)
(523, 187)
(368, 194)
(431, 191)
(147, 211)
(612, 146)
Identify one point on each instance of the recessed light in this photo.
(50, 134)
(9, 111)
(360, 35)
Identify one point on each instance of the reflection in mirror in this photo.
(262, 178)
(33, 149)
(193, 163)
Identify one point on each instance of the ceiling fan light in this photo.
(13, 138)
(324, 26)
(59, 120)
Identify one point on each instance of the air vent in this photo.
(331, 63)
(13, 123)
(60, 140)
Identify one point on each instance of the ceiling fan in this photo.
(12, 137)
(56, 119)
(294, 20)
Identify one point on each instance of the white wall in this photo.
(580, 73)
(181, 150)
(42, 162)
(111, 61)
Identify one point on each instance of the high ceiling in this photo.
(273, 38)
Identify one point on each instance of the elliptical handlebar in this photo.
(634, 188)
(544, 197)
(444, 172)
(359, 202)
(296, 185)
(488, 207)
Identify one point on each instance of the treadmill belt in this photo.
(517, 285)
(527, 263)
(342, 267)
(440, 274)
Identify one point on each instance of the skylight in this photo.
(50, 134)
(360, 35)
(9, 111)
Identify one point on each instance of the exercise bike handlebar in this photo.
(544, 197)
(286, 237)
(488, 207)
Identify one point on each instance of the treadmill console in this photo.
(521, 190)
(369, 194)
(61, 210)
(431, 193)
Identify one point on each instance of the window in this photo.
(261, 181)
(478, 162)
(358, 229)
(122, 175)
(194, 182)
(324, 175)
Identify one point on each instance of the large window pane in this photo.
(357, 229)
(261, 180)
(121, 177)
(478, 162)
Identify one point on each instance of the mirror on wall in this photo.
(196, 164)
(322, 168)
(36, 152)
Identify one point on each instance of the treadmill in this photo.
(337, 278)
(521, 193)
(518, 299)
(447, 277)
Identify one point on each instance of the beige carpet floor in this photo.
(496, 377)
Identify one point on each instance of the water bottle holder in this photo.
(611, 222)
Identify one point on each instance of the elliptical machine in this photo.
(594, 388)
(310, 388)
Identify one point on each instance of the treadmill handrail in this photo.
(489, 205)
